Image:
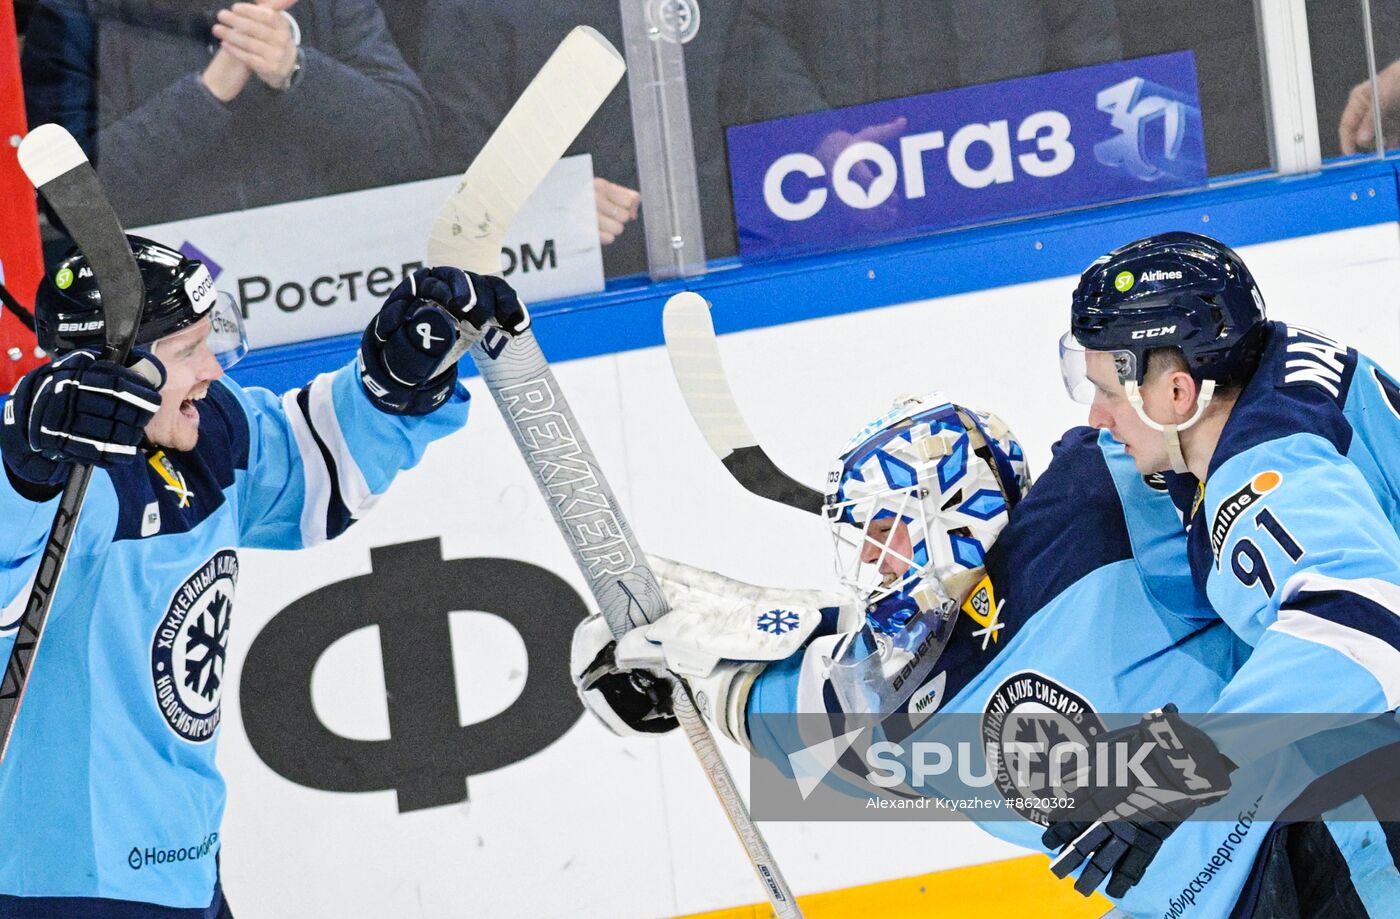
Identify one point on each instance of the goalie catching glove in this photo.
(1123, 823)
(718, 636)
(408, 354)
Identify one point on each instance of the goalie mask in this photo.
(917, 499)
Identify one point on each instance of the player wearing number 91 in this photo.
(1282, 448)
(110, 799)
(1002, 609)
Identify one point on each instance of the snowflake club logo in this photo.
(1035, 736)
(204, 648)
(190, 646)
(777, 621)
(1025, 719)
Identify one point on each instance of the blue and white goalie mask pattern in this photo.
(915, 502)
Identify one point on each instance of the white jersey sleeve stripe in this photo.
(1382, 593)
(354, 490)
(1357, 617)
(1374, 654)
(314, 472)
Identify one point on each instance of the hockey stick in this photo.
(469, 234)
(694, 351)
(699, 372)
(56, 166)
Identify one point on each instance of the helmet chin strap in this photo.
(1171, 433)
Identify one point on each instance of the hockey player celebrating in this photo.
(110, 799)
(1281, 445)
(977, 597)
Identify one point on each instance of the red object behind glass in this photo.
(21, 258)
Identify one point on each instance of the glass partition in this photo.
(821, 124)
(1224, 41)
(1384, 21)
(1341, 77)
(1344, 64)
(304, 152)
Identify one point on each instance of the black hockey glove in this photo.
(1123, 821)
(626, 701)
(408, 354)
(78, 409)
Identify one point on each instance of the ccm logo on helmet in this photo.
(1155, 333)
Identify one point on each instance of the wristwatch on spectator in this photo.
(295, 76)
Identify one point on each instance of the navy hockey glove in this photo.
(402, 350)
(408, 354)
(495, 303)
(1123, 823)
(78, 409)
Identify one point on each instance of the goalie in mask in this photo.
(905, 558)
(967, 592)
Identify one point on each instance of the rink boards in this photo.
(481, 790)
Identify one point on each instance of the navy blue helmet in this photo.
(1181, 290)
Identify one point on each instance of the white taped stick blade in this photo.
(47, 152)
(470, 230)
(695, 360)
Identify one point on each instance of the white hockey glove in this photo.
(719, 635)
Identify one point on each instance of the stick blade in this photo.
(540, 126)
(58, 168)
(47, 152)
(694, 352)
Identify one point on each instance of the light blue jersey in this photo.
(109, 788)
(1099, 615)
(1293, 537)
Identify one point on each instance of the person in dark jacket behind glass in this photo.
(191, 108)
(810, 55)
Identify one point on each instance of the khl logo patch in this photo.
(187, 652)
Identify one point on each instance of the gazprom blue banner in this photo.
(900, 167)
